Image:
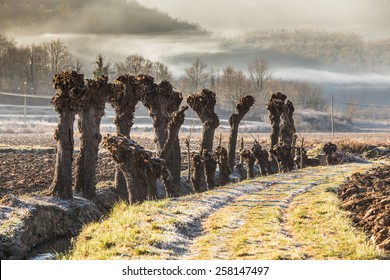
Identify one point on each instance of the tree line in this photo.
(331, 48)
(137, 169)
(30, 69)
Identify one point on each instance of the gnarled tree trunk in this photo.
(196, 172)
(203, 104)
(162, 101)
(124, 101)
(330, 149)
(262, 159)
(69, 88)
(242, 107)
(283, 130)
(220, 154)
(301, 159)
(91, 111)
(287, 132)
(139, 168)
(209, 166)
(249, 161)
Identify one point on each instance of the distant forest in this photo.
(30, 68)
(347, 50)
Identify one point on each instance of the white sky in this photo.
(370, 18)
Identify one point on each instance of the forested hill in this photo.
(317, 47)
(88, 16)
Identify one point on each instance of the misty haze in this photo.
(194, 130)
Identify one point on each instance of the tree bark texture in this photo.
(249, 161)
(161, 170)
(124, 100)
(162, 101)
(203, 104)
(330, 149)
(62, 180)
(275, 107)
(69, 88)
(196, 172)
(301, 157)
(220, 154)
(91, 111)
(287, 132)
(243, 107)
(210, 166)
(138, 167)
(283, 131)
(262, 159)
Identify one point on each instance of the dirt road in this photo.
(284, 216)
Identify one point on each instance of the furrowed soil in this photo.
(367, 198)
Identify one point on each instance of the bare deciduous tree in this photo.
(233, 84)
(134, 64)
(197, 74)
(259, 73)
(59, 57)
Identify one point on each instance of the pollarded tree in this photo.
(275, 107)
(243, 107)
(124, 101)
(163, 103)
(287, 134)
(283, 130)
(196, 172)
(69, 88)
(249, 161)
(209, 166)
(221, 156)
(203, 104)
(262, 160)
(139, 168)
(90, 110)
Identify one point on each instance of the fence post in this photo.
(331, 116)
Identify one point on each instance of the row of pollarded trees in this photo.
(137, 169)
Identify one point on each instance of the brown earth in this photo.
(27, 166)
(31, 172)
(367, 198)
(24, 171)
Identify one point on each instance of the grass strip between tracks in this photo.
(284, 216)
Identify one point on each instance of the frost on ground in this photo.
(29, 221)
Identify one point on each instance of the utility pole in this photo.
(25, 102)
(331, 116)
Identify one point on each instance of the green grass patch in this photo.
(128, 232)
(316, 221)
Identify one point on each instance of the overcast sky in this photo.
(370, 18)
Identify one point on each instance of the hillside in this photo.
(88, 17)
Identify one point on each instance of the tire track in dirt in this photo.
(233, 231)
